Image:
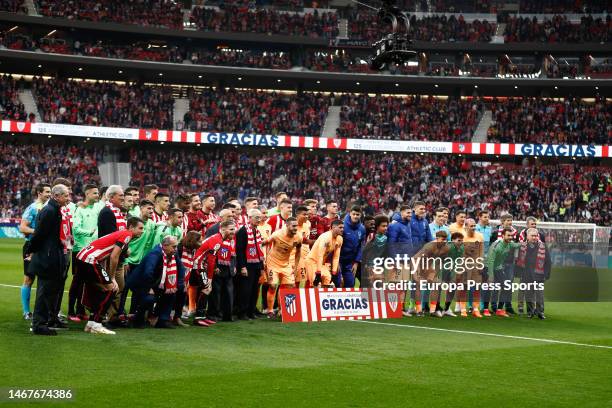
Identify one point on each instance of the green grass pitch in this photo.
(267, 363)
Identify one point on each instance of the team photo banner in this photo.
(315, 305)
(307, 142)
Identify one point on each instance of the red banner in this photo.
(313, 305)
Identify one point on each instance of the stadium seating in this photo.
(24, 165)
(365, 25)
(256, 112)
(158, 13)
(569, 121)
(14, 6)
(410, 118)
(380, 180)
(10, 105)
(557, 30)
(563, 6)
(104, 104)
(266, 21)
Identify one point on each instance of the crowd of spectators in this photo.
(265, 21)
(408, 118)
(150, 51)
(11, 107)
(563, 6)
(158, 13)
(24, 165)
(538, 120)
(103, 103)
(380, 182)
(437, 28)
(252, 111)
(559, 29)
(13, 6)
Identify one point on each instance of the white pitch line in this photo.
(33, 288)
(487, 334)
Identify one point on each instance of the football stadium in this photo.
(364, 203)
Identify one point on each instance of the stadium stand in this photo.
(410, 118)
(379, 180)
(10, 105)
(568, 121)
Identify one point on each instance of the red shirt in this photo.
(325, 224)
(214, 252)
(101, 248)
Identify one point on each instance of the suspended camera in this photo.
(393, 48)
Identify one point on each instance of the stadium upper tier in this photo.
(356, 23)
(380, 181)
(214, 109)
(312, 59)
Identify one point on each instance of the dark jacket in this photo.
(241, 248)
(352, 241)
(400, 237)
(421, 234)
(107, 223)
(214, 229)
(48, 260)
(147, 275)
(528, 272)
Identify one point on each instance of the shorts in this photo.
(475, 275)
(311, 271)
(93, 273)
(198, 278)
(26, 264)
(284, 277)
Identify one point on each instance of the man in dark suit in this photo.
(48, 260)
(156, 280)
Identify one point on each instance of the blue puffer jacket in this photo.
(421, 234)
(353, 238)
(399, 230)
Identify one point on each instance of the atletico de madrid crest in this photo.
(290, 305)
(252, 251)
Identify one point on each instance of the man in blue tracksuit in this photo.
(419, 227)
(350, 254)
(400, 238)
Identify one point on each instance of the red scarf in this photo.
(254, 251)
(187, 258)
(169, 273)
(66, 229)
(119, 217)
(540, 258)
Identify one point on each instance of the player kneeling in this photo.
(322, 261)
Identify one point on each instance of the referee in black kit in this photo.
(48, 261)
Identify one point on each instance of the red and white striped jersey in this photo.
(101, 248)
(276, 222)
(157, 218)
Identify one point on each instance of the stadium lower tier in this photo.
(363, 116)
(379, 182)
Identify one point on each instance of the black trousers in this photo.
(75, 292)
(248, 288)
(60, 290)
(222, 296)
(46, 300)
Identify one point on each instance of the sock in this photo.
(270, 298)
(447, 306)
(417, 307)
(433, 306)
(192, 293)
(26, 291)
